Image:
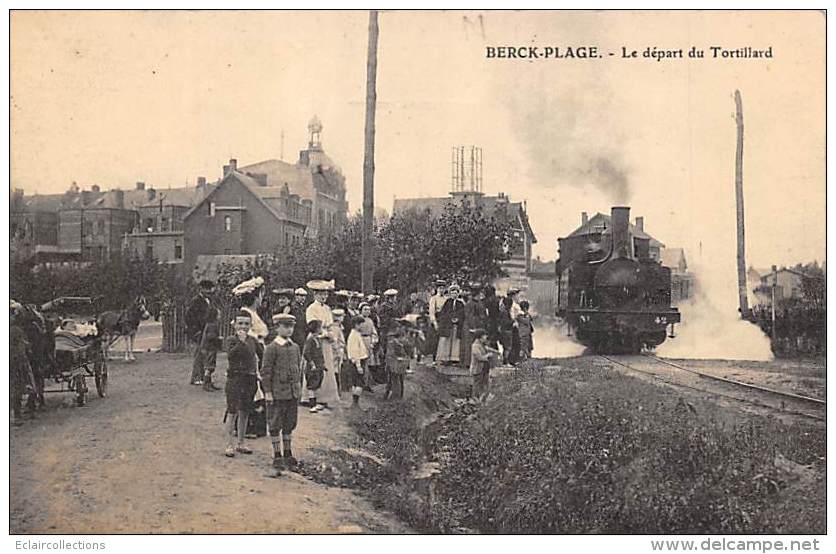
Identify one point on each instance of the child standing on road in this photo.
(480, 363)
(313, 362)
(281, 377)
(397, 360)
(358, 356)
(338, 344)
(243, 354)
(525, 326)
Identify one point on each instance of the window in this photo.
(211, 209)
(286, 242)
(178, 251)
(164, 224)
(86, 227)
(101, 252)
(227, 251)
(149, 225)
(227, 223)
(149, 249)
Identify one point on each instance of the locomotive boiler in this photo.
(614, 296)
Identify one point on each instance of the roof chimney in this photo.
(584, 218)
(95, 188)
(151, 193)
(140, 185)
(201, 182)
(233, 164)
(640, 223)
(226, 170)
(119, 198)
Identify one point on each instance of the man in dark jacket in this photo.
(298, 309)
(491, 303)
(196, 318)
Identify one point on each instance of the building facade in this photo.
(314, 177)
(261, 207)
(242, 215)
(682, 280)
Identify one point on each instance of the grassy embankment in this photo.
(581, 451)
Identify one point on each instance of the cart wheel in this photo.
(100, 370)
(80, 390)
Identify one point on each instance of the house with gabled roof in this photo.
(595, 232)
(242, 214)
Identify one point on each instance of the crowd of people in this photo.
(307, 346)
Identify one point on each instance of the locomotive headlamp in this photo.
(661, 319)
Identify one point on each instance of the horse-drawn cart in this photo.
(79, 348)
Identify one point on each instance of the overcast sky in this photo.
(116, 97)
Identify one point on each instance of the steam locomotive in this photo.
(614, 296)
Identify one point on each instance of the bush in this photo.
(573, 452)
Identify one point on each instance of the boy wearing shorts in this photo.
(281, 378)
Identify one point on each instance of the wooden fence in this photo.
(173, 317)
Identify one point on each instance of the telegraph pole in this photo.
(367, 262)
(738, 187)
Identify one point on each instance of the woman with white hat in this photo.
(250, 294)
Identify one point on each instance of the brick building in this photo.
(242, 214)
(159, 232)
(261, 207)
(315, 177)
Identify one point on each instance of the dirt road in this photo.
(148, 459)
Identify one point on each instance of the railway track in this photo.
(764, 397)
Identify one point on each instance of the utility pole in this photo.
(738, 187)
(774, 284)
(367, 262)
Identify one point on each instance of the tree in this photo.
(411, 249)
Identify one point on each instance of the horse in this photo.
(38, 351)
(116, 324)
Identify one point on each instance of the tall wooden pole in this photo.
(738, 188)
(367, 262)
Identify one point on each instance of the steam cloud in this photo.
(551, 341)
(566, 140)
(712, 329)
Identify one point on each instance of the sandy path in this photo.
(148, 459)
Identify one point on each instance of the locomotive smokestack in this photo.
(620, 232)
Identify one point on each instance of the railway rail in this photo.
(789, 402)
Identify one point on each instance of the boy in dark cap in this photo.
(281, 378)
(243, 353)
